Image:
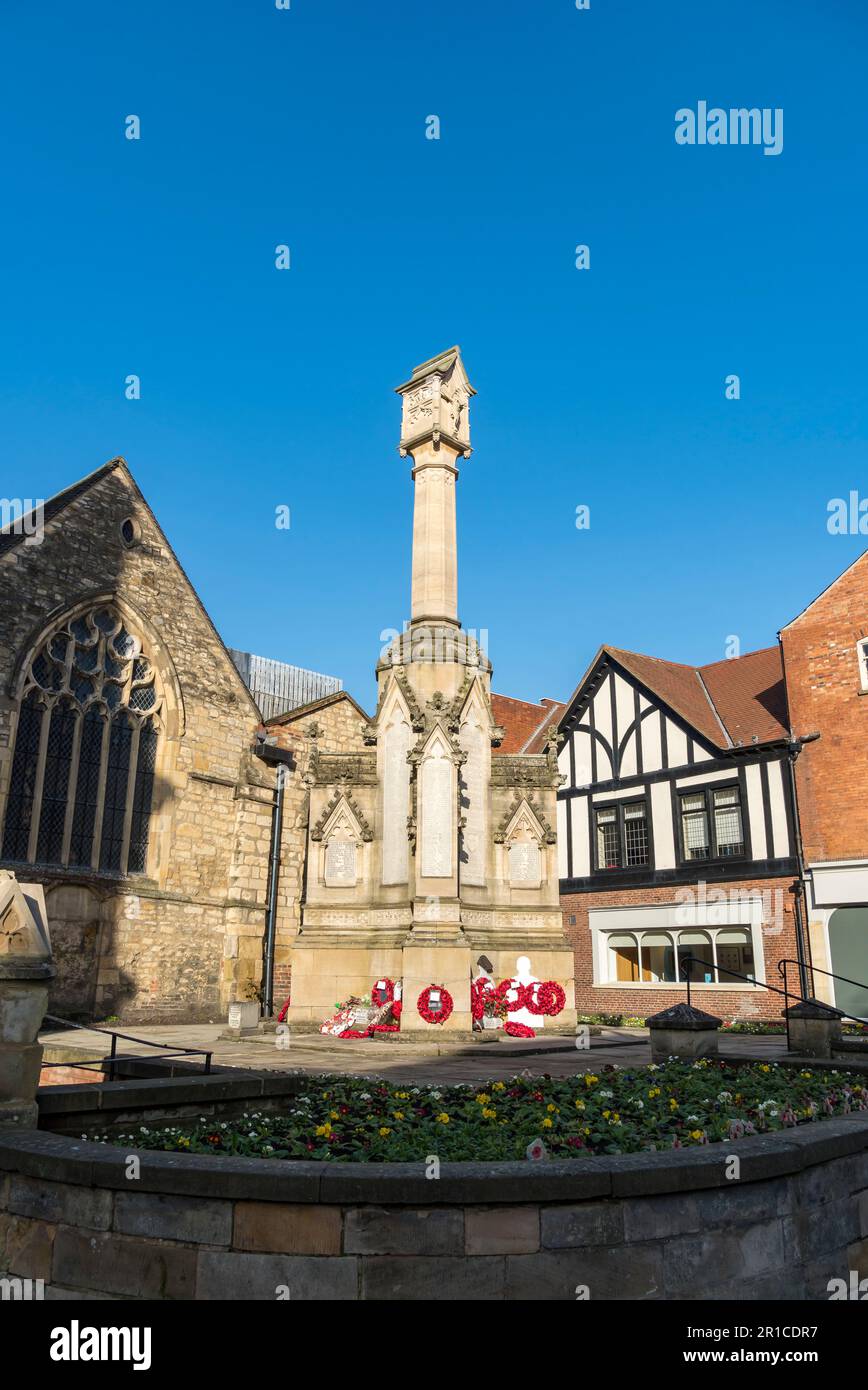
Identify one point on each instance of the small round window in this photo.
(130, 532)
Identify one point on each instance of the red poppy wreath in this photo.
(423, 1004)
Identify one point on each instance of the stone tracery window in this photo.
(82, 781)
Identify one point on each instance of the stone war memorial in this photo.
(429, 861)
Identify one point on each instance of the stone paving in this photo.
(623, 1047)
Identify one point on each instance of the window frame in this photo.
(862, 659)
(620, 806)
(708, 791)
(57, 655)
(610, 980)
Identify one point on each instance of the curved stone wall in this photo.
(642, 1226)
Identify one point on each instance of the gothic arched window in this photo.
(82, 781)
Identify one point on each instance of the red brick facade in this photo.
(747, 1003)
(825, 695)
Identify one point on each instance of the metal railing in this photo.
(764, 984)
(107, 1065)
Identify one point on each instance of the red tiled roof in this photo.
(735, 701)
(749, 695)
(525, 723)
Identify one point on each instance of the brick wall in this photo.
(778, 936)
(824, 694)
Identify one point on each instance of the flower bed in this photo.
(674, 1105)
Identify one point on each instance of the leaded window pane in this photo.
(727, 822)
(608, 840)
(636, 834)
(142, 797)
(87, 789)
(55, 783)
(91, 669)
(115, 804)
(22, 787)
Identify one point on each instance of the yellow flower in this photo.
(673, 1103)
(184, 1141)
(547, 1124)
(580, 1105)
(333, 1115)
(490, 1114)
(587, 1129)
(384, 1130)
(591, 1080)
(806, 1074)
(498, 1086)
(398, 1114)
(401, 1095)
(442, 1119)
(323, 1131)
(482, 1098)
(654, 1091)
(606, 1114)
(696, 1134)
(616, 1118)
(553, 1110)
(765, 1068)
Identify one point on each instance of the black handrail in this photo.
(830, 974)
(694, 960)
(128, 1037)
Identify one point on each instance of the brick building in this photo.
(676, 833)
(701, 816)
(825, 651)
(129, 781)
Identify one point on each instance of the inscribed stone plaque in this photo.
(396, 802)
(524, 864)
(473, 797)
(340, 869)
(436, 817)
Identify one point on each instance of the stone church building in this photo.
(132, 781)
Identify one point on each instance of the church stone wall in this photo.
(181, 941)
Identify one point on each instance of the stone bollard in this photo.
(26, 967)
(814, 1028)
(682, 1031)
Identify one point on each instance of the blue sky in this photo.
(605, 387)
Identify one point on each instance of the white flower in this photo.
(724, 1096)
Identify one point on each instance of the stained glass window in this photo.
(86, 746)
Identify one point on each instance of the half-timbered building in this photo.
(676, 833)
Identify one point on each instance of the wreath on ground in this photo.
(423, 1004)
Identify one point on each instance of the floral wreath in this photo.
(387, 990)
(550, 998)
(424, 1001)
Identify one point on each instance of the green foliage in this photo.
(620, 1110)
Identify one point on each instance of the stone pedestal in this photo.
(814, 1029)
(25, 969)
(683, 1031)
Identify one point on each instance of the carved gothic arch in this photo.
(342, 808)
(173, 716)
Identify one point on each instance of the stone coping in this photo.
(59, 1158)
